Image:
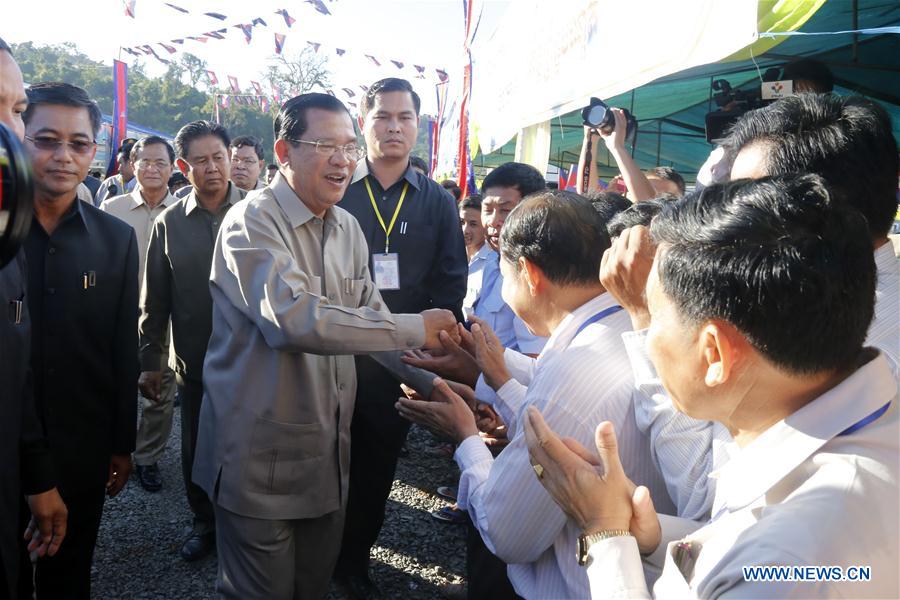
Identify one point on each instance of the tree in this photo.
(297, 75)
(194, 66)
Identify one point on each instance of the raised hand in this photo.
(449, 361)
(489, 354)
(624, 271)
(446, 413)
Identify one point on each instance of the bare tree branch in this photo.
(300, 73)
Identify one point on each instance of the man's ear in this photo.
(534, 277)
(360, 121)
(281, 152)
(722, 346)
(183, 166)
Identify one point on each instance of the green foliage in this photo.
(163, 103)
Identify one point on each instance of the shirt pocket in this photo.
(283, 454)
(351, 292)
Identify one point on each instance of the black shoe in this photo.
(198, 545)
(359, 587)
(149, 477)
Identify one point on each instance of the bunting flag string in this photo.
(279, 38)
(129, 7)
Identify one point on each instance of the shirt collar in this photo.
(76, 211)
(565, 332)
(297, 212)
(138, 200)
(885, 260)
(759, 466)
(190, 201)
(484, 253)
(411, 175)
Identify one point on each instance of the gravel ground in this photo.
(141, 534)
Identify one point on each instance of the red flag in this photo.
(264, 104)
(442, 75)
(256, 87)
(276, 93)
(120, 104)
(397, 64)
(279, 43)
(198, 38)
(373, 59)
(315, 46)
(129, 8)
(288, 19)
(169, 49)
(178, 41)
(130, 51)
(146, 49)
(563, 178)
(248, 31)
(214, 34)
(234, 84)
(213, 80)
(572, 184)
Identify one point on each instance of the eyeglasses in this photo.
(350, 151)
(51, 144)
(249, 162)
(159, 165)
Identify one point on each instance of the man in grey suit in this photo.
(292, 300)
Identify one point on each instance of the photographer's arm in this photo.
(639, 188)
(593, 138)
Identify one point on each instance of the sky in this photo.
(423, 32)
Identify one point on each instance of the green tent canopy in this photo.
(671, 110)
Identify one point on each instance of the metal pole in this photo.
(855, 52)
(658, 140)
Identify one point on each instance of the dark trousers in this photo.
(190, 394)
(377, 434)
(486, 574)
(66, 575)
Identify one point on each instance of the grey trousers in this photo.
(155, 424)
(276, 560)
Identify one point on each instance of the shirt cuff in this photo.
(410, 331)
(636, 348)
(474, 460)
(614, 569)
(484, 392)
(520, 367)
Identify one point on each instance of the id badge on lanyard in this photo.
(386, 265)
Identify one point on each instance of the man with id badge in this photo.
(293, 300)
(418, 261)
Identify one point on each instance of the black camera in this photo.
(16, 195)
(733, 103)
(598, 116)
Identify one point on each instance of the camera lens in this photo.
(16, 195)
(596, 115)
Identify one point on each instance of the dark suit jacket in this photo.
(25, 466)
(83, 298)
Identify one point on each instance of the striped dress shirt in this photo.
(580, 379)
(884, 332)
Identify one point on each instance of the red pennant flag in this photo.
(214, 34)
(215, 15)
(198, 38)
(130, 51)
(339, 51)
(226, 101)
(213, 80)
(276, 93)
(397, 64)
(248, 31)
(315, 46)
(442, 75)
(264, 104)
(159, 58)
(563, 178)
(279, 43)
(234, 84)
(373, 59)
(146, 49)
(288, 19)
(178, 8)
(572, 184)
(349, 92)
(129, 8)
(178, 41)
(169, 49)
(256, 87)
(320, 6)
(421, 70)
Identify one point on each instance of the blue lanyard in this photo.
(600, 315)
(865, 421)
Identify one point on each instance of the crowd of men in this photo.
(729, 353)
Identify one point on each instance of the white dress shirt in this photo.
(580, 379)
(884, 332)
(475, 281)
(804, 493)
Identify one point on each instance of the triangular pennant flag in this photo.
(198, 38)
(159, 58)
(264, 104)
(132, 52)
(213, 80)
(315, 46)
(225, 101)
(259, 21)
(364, 88)
(563, 178)
(256, 87)
(373, 59)
(397, 64)
(573, 178)
(214, 34)
(234, 84)
(288, 19)
(419, 69)
(320, 6)
(339, 51)
(248, 31)
(129, 7)
(178, 8)
(216, 15)
(279, 43)
(442, 75)
(276, 93)
(169, 49)
(178, 41)
(349, 92)
(146, 49)
(223, 31)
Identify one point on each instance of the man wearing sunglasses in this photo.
(83, 293)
